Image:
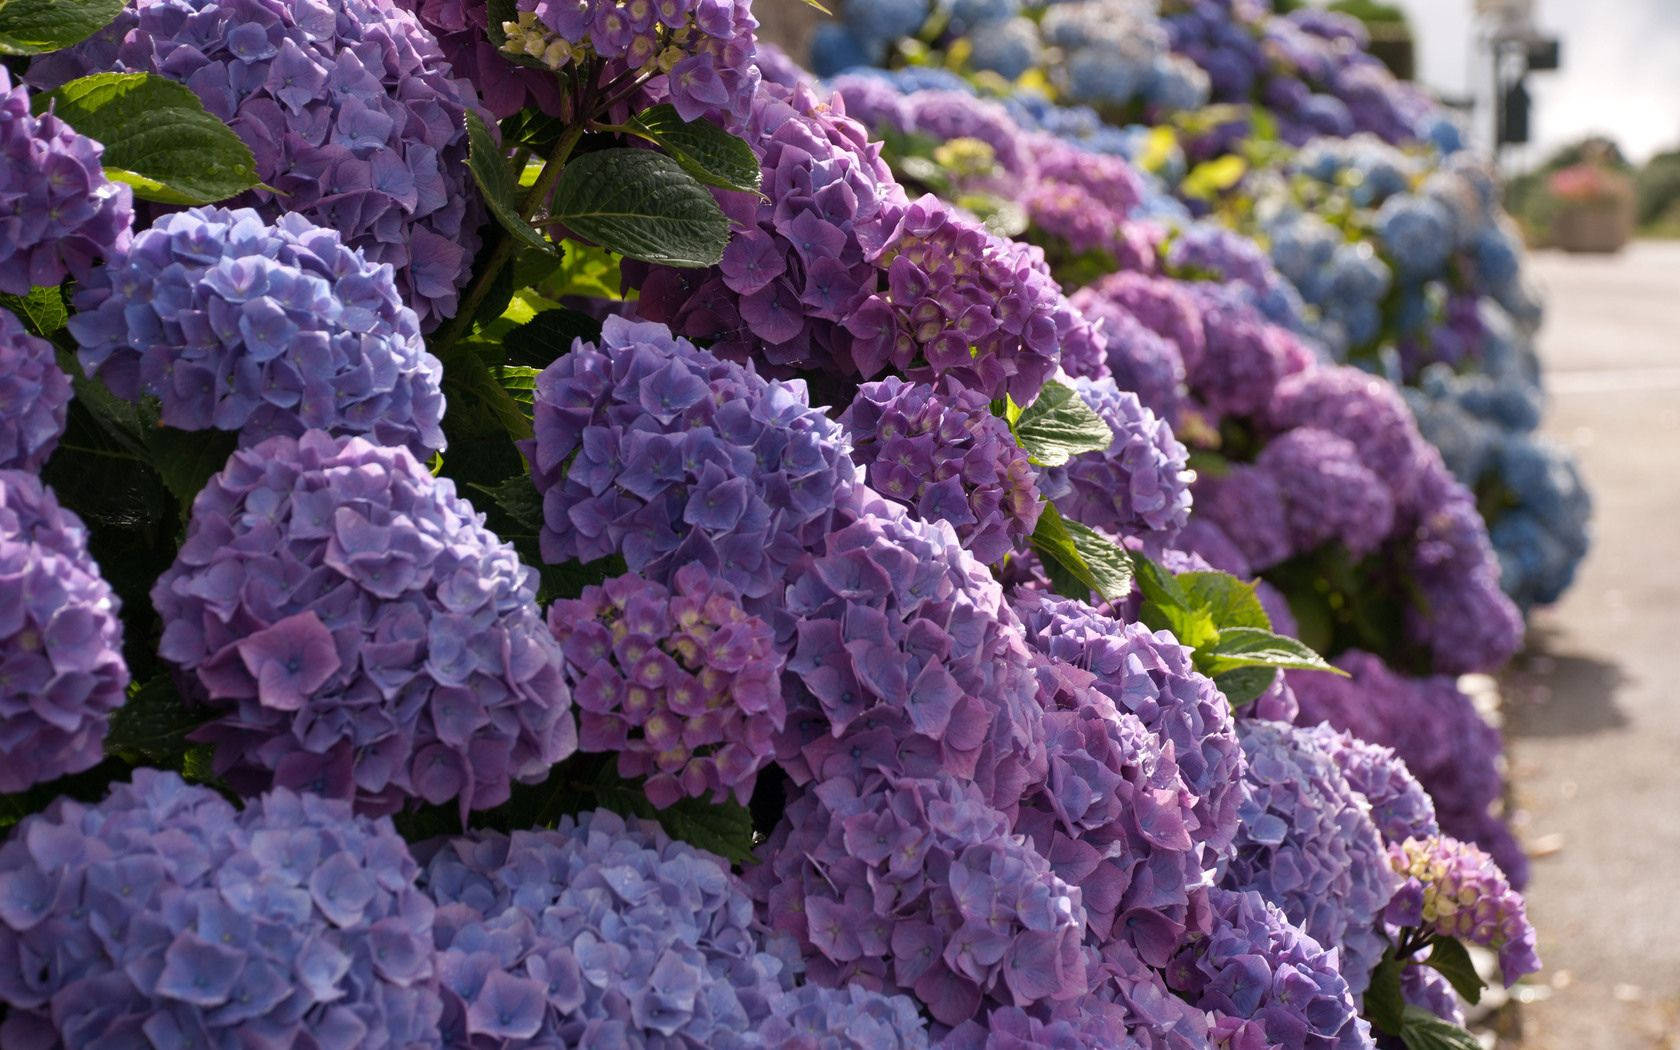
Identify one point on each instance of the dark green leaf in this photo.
(704, 150)
(481, 405)
(1168, 607)
(1422, 1030)
(30, 27)
(549, 336)
(1252, 647)
(643, 205)
(151, 726)
(157, 136)
(520, 382)
(42, 309)
(489, 167)
(1385, 1003)
(722, 828)
(187, 459)
(1229, 601)
(518, 498)
(1448, 955)
(1243, 685)
(1109, 565)
(1059, 424)
(1079, 559)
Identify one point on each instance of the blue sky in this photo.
(1620, 75)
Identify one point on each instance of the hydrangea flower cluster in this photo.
(59, 212)
(1254, 968)
(1434, 728)
(1247, 508)
(1138, 358)
(1165, 307)
(1454, 889)
(1306, 843)
(916, 885)
(1139, 485)
(652, 448)
(941, 452)
(1464, 620)
(1150, 676)
(1075, 1027)
(264, 330)
(851, 1017)
(1328, 492)
(1115, 815)
(599, 932)
(804, 255)
(34, 397)
(359, 633)
(1363, 410)
(61, 663)
(695, 54)
(162, 916)
(1136, 995)
(503, 86)
(683, 684)
(1246, 357)
(905, 660)
(349, 109)
(1400, 807)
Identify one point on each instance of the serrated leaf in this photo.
(1109, 564)
(32, 27)
(1059, 425)
(1245, 684)
(723, 828)
(151, 726)
(158, 132)
(1167, 606)
(1253, 647)
(643, 205)
(1385, 1002)
(549, 336)
(1081, 560)
(1422, 1030)
(489, 167)
(42, 310)
(1449, 956)
(1229, 601)
(479, 404)
(519, 499)
(187, 459)
(520, 382)
(706, 151)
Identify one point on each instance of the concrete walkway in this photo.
(1593, 711)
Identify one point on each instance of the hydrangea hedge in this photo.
(531, 526)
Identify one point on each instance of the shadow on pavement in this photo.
(1551, 694)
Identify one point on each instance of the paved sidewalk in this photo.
(1593, 712)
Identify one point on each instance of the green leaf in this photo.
(30, 27)
(519, 499)
(1422, 1030)
(187, 459)
(520, 382)
(157, 136)
(641, 204)
(549, 336)
(1385, 1003)
(704, 150)
(1448, 955)
(722, 828)
(1243, 685)
(479, 402)
(1058, 425)
(1210, 178)
(1168, 607)
(42, 309)
(1081, 560)
(151, 726)
(1229, 601)
(489, 167)
(1253, 647)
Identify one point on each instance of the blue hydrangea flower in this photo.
(58, 212)
(652, 448)
(61, 663)
(264, 330)
(600, 932)
(1417, 233)
(349, 109)
(1007, 48)
(1400, 807)
(34, 397)
(359, 633)
(163, 917)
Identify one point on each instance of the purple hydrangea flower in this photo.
(851, 1017)
(34, 397)
(916, 885)
(260, 329)
(1328, 492)
(942, 453)
(1139, 485)
(1114, 816)
(348, 107)
(1077, 1027)
(1245, 357)
(1139, 358)
(163, 917)
(1247, 506)
(1164, 306)
(59, 214)
(1430, 989)
(1150, 676)
(1254, 967)
(905, 660)
(61, 664)
(600, 932)
(1136, 993)
(1306, 843)
(1364, 410)
(1454, 889)
(1400, 808)
(649, 447)
(503, 86)
(695, 54)
(683, 684)
(1083, 199)
(360, 633)
(1434, 728)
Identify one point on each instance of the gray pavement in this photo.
(1592, 710)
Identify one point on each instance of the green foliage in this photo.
(157, 136)
(706, 151)
(185, 460)
(151, 727)
(1452, 959)
(1385, 1003)
(42, 311)
(548, 336)
(490, 171)
(1422, 1030)
(31, 27)
(1080, 560)
(1059, 425)
(643, 205)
